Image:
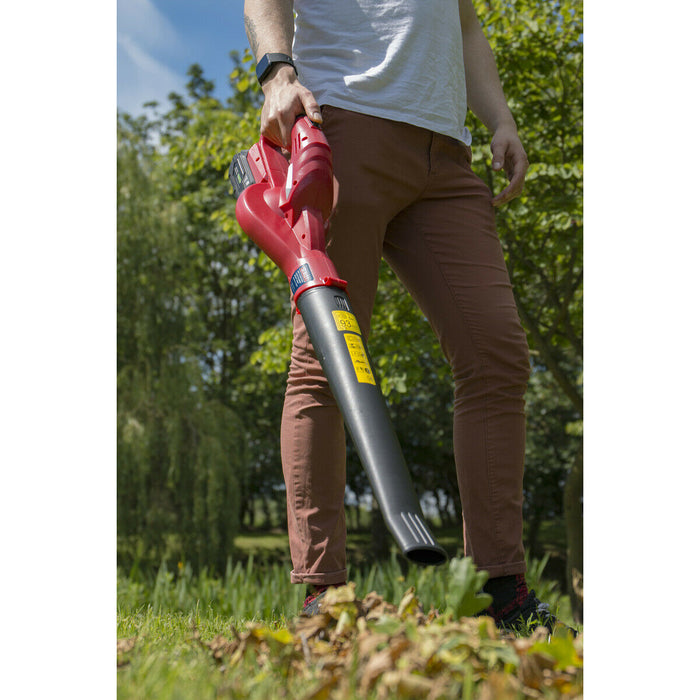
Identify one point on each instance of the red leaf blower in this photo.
(284, 206)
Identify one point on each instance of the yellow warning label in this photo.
(345, 321)
(359, 359)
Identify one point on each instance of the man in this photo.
(389, 80)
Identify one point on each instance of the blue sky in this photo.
(158, 40)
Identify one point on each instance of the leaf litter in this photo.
(369, 647)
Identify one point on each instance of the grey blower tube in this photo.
(343, 355)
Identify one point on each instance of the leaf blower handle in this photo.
(309, 183)
(284, 205)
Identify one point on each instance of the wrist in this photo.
(504, 122)
(269, 61)
(280, 74)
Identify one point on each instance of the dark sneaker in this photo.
(312, 602)
(531, 613)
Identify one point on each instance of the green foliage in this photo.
(464, 595)
(539, 50)
(551, 449)
(190, 311)
(179, 451)
(179, 455)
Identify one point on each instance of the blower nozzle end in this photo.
(426, 556)
(415, 539)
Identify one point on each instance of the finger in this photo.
(514, 189)
(311, 107)
(503, 197)
(499, 154)
(304, 103)
(278, 126)
(270, 131)
(516, 168)
(285, 129)
(273, 133)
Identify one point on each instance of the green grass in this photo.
(168, 622)
(166, 663)
(249, 591)
(246, 592)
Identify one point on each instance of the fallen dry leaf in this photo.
(399, 652)
(124, 646)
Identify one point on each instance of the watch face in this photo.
(263, 67)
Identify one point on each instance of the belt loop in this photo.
(433, 136)
(469, 155)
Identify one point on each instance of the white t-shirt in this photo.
(397, 59)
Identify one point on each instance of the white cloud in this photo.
(146, 41)
(141, 77)
(147, 26)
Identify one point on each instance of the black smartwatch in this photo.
(268, 60)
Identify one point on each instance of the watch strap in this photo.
(266, 63)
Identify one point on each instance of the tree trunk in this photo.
(441, 505)
(380, 547)
(355, 510)
(249, 513)
(267, 522)
(573, 512)
(533, 533)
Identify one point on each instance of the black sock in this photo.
(502, 589)
(508, 592)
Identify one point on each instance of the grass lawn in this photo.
(399, 631)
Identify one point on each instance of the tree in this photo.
(539, 49)
(180, 451)
(197, 420)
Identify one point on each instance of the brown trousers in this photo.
(410, 195)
